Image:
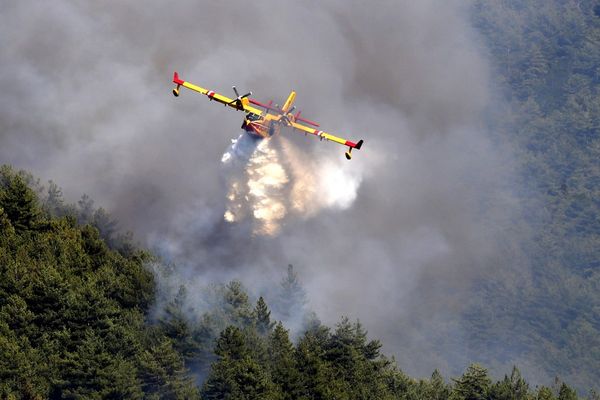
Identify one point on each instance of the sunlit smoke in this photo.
(267, 182)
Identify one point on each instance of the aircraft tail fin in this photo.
(288, 103)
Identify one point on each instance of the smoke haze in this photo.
(396, 237)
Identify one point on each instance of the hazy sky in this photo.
(86, 101)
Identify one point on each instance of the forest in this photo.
(74, 323)
(78, 300)
(545, 56)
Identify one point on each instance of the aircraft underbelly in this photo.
(259, 129)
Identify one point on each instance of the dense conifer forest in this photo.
(75, 323)
(78, 298)
(545, 57)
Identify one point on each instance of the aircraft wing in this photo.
(241, 103)
(324, 135)
(327, 136)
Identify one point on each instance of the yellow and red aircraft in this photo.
(268, 122)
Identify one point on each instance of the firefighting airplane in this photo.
(267, 123)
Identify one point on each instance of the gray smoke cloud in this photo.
(86, 102)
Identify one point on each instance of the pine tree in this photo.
(513, 388)
(237, 305)
(319, 380)
(19, 202)
(474, 384)
(545, 393)
(291, 301)
(566, 393)
(54, 203)
(282, 363)
(176, 326)
(236, 375)
(263, 317)
(438, 388)
(85, 209)
(162, 373)
(349, 340)
(106, 225)
(231, 344)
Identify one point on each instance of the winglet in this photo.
(351, 146)
(176, 79)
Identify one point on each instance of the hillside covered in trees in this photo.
(75, 323)
(81, 317)
(72, 311)
(545, 57)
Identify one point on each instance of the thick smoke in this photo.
(396, 237)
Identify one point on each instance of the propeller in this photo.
(286, 117)
(238, 100)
